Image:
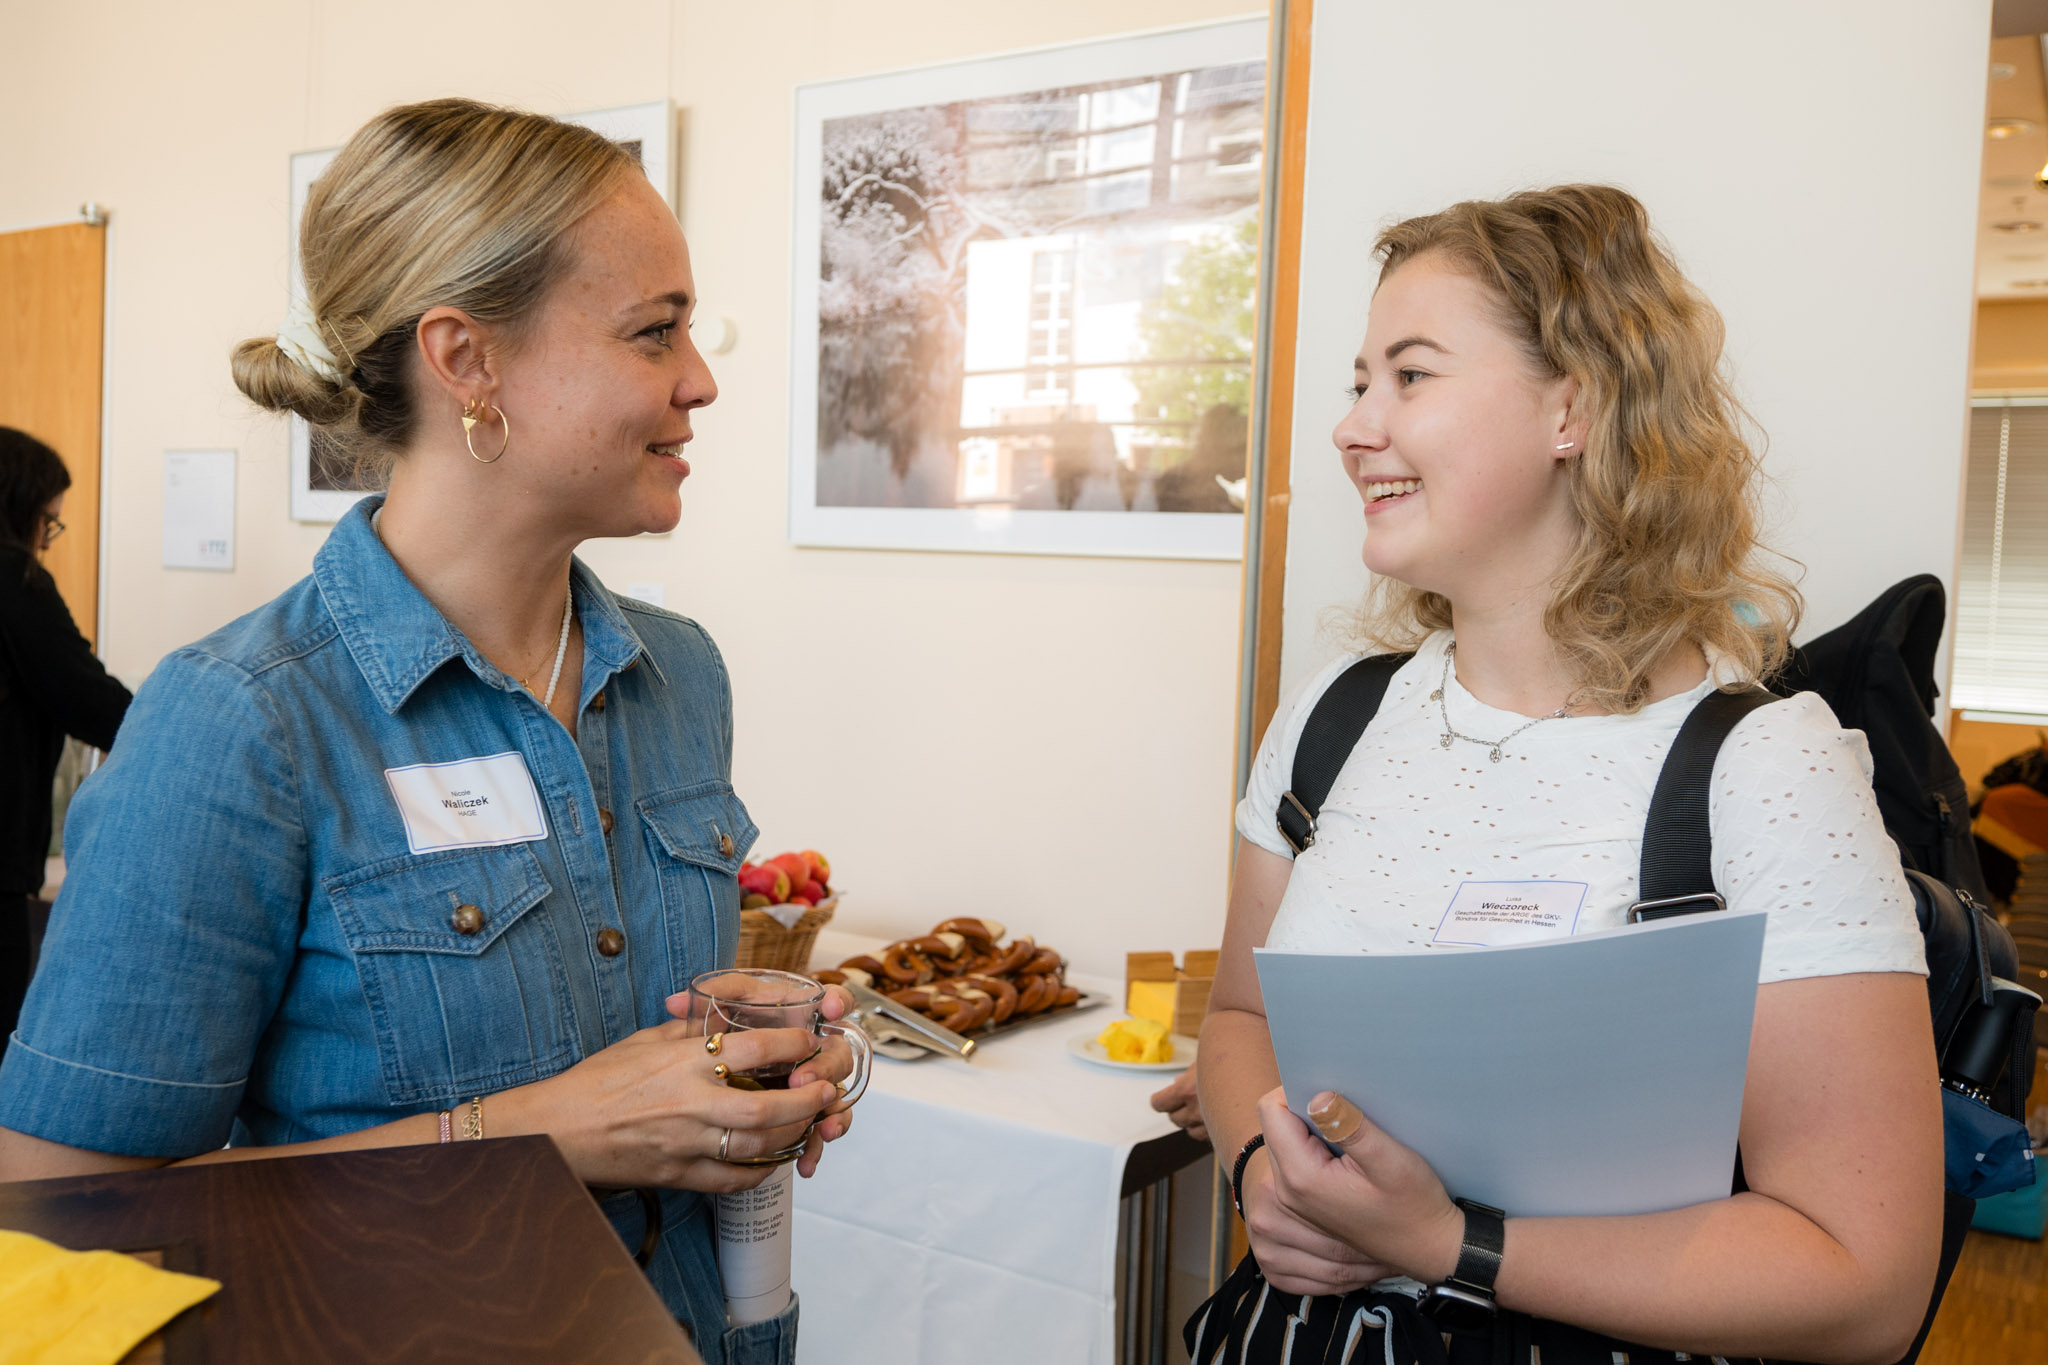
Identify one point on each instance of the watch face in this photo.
(1458, 1310)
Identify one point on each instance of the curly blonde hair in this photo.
(1666, 489)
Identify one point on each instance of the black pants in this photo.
(1249, 1321)
(21, 922)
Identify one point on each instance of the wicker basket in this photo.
(765, 943)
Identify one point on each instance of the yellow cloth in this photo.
(83, 1307)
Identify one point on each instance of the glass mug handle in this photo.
(863, 1059)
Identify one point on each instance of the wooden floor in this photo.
(1996, 1308)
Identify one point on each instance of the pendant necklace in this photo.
(1492, 746)
(561, 645)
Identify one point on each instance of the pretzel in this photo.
(983, 935)
(938, 945)
(976, 1005)
(1045, 960)
(863, 963)
(1002, 992)
(1035, 994)
(1068, 995)
(919, 999)
(973, 1013)
(1014, 957)
(902, 963)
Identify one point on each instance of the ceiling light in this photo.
(2017, 225)
(2001, 129)
(2002, 71)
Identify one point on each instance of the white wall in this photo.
(1812, 164)
(1044, 740)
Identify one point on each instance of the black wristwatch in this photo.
(1464, 1302)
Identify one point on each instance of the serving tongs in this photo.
(885, 1019)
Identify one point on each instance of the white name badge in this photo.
(1488, 914)
(469, 803)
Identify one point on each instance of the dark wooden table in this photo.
(466, 1251)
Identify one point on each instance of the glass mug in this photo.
(734, 999)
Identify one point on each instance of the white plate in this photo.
(1084, 1046)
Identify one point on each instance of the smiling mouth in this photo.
(1395, 488)
(673, 450)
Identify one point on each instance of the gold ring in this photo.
(721, 1070)
(723, 1142)
(714, 1043)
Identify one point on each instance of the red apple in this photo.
(812, 892)
(820, 869)
(771, 882)
(795, 864)
(800, 900)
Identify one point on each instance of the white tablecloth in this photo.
(972, 1211)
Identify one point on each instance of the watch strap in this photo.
(1480, 1252)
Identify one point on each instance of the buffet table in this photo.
(974, 1209)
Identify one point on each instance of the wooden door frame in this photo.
(95, 214)
(1269, 470)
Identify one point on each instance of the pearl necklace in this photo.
(1493, 746)
(547, 703)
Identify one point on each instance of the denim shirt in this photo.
(247, 947)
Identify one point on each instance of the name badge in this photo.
(1488, 914)
(470, 803)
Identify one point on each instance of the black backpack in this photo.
(1984, 1035)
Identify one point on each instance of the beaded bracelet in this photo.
(1244, 1156)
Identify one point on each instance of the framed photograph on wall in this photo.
(324, 483)
(1025, 297)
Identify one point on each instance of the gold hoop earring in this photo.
(472, 413)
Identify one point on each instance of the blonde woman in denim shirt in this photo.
(446, 820)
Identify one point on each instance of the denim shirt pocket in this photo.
(458, 1013)
(697, 837)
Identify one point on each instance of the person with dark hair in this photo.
(51, 686)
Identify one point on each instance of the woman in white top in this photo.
(1559, 520)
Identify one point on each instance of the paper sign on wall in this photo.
(199, 509)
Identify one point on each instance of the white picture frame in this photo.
(1014, 488)
(651, 128)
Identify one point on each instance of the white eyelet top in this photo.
(1795, 827)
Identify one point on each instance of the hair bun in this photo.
(273, 380)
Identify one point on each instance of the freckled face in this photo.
(1451, 441)
(603, 387)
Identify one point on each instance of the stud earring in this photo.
(1567, 445)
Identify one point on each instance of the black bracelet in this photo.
(1244, 1156)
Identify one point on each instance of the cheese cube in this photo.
(1153, 1000)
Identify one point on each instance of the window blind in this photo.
(2002, 608)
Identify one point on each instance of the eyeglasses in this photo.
(52, 528)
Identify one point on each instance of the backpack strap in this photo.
(1332, 731)
(1678, 863)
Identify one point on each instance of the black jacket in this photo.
(51, 686)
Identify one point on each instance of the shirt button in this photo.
(611, 942)
(597, 702)
(725, 845)
(467, 919)
(604, 818)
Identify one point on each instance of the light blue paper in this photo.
(1598, 1074)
